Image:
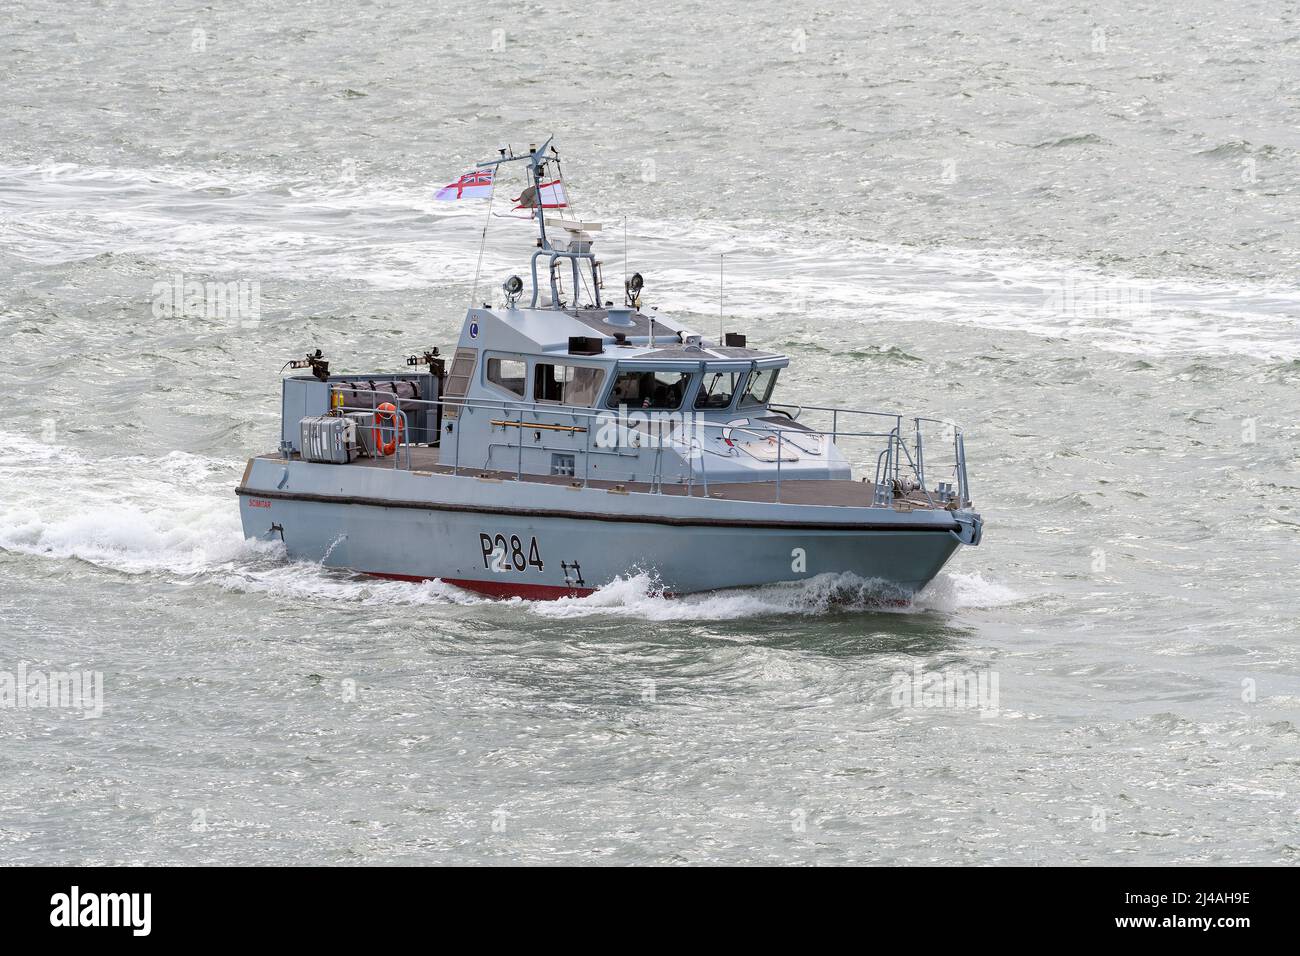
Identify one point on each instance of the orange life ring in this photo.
(388, 412)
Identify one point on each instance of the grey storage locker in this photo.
(327, 438)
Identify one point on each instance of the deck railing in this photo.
(900, 464)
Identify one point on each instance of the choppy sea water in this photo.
(1072, 231)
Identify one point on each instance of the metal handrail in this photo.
(889, 463)
(588, 411)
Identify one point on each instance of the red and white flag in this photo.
(476, 184)
(552, 196)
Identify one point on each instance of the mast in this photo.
(536, 167)
(535, 172)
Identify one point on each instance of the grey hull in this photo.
(537, 540)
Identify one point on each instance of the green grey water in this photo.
(1074, 232)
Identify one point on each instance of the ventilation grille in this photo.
(462, 368)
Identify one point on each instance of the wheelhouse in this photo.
(703, 387)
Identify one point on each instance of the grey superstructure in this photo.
(570, 441)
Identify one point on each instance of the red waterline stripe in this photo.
(497, 589)
(544, 592)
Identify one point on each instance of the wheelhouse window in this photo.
(716, 389)
(568, 384)
(759, 388)
(508, 373)
(643, 389)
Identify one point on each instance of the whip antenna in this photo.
(721, 258)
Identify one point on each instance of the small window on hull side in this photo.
(508, 374)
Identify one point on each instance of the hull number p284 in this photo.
(502, 554)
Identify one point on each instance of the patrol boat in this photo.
(571, 441)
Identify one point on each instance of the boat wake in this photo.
(129, 514)
(260, 226)
(641, 597)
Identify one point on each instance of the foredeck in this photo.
(837, 493)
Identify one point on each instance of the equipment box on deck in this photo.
(307, 396)
(328, 438)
